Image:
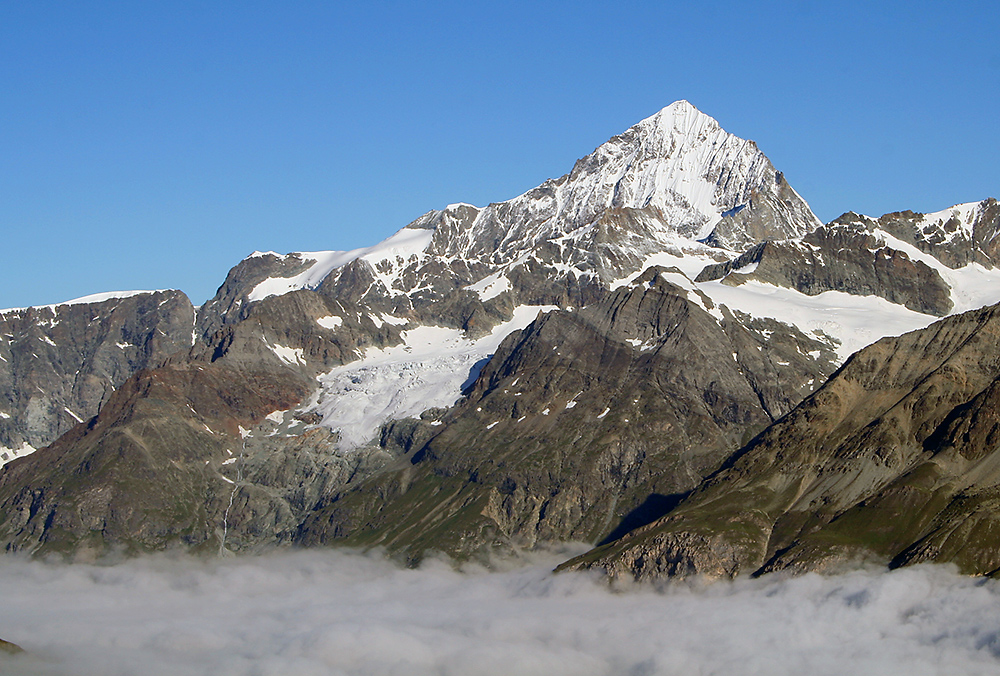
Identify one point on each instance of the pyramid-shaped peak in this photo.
(680, 118)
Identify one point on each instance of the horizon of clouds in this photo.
(347, 613)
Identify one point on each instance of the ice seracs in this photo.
(428, 370)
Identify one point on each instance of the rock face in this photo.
(893, 460)
(963, 234)
(60, 364)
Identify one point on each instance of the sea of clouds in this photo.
(333, 612)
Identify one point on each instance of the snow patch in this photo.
(491, 287)
(330, 321)
(295, 356)
(403, 245)
(8, 454)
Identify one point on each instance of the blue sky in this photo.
(154, 145)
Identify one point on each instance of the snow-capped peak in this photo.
(678, 166)
(683, 163)
(661, 185)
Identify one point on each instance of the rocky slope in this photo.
(149, 471)
(893, 460)
(585, 419)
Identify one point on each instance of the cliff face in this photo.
(60, 364)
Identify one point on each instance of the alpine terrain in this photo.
(663, 353)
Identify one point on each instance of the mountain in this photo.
(577, 420)
(570, 363)
(60, 364)
(893, 460)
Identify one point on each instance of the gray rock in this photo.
(59, 364)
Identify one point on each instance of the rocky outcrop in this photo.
(230, 302)
(958, 236)
(765, 215)
(60, 364)
(893, 460)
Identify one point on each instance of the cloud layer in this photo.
(333, 612)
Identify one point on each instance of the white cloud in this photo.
(331, 612)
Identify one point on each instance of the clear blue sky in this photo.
(153, 145)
